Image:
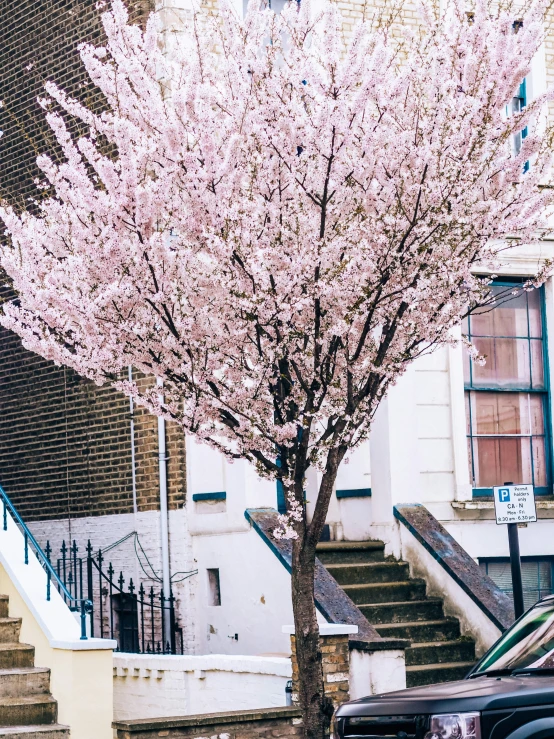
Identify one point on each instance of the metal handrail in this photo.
(83, 605)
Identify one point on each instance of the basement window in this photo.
(536, 573)
(214, 590)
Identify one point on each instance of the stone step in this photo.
(50, 731)
(9, 630)
(386, 592)
(361, 573)
(445, 629)
(24, 681)
(436, 673)
(4, 606)
(16, 655)
(350, 552)
(28, 710)
(441, 652)
(429, 609)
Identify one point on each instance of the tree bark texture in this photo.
(317, 708)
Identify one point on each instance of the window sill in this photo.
(545, 502)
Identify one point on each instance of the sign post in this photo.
(515, 504)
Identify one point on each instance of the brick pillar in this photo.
(336, 662)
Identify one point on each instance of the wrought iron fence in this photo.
(140, 620)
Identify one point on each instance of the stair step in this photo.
(436, 673)
(4, 606)
(386, 592)
(350, 552)
(24, 681)
(16, 655)
(360, 573)
(28, 710)
(441, 652)
(409, 610)
(9, 630)
(50, 731)
(445, 629)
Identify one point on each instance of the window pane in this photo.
(507, 363)
(539, 462)
(508, 317)
(467, 399)
(535, 317)
(500, 413)
(498, 460)
(536, 412)
(537, 363)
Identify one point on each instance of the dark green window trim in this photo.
(355, 493)
(209, 496)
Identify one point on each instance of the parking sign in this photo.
(514, 504)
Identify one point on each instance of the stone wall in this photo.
(336, 668)
(266, 723)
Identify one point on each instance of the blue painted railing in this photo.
(81, 605)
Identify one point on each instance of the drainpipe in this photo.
(162, 455)
(133, 455)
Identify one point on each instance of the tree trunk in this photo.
(316, 708)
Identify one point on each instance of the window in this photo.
(214, 590)
(518, 103)
(536, 573)
(507, 398)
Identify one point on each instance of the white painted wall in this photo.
(148, 686)
(373, 673)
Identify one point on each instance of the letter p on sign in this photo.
(504, 495)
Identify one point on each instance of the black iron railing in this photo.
(82, 605)
(141, 620)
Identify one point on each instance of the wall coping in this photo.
(207, 719)
(331, 600)
(258, 665)
(442, 546)
(327, 629)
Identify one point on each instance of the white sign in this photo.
(514, 504)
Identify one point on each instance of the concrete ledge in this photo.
(206, 719)
(327, 630)
(384, 645)
(446, 551)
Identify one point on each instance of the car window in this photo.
(529, 643)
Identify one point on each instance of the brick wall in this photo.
(38, 42)
(335, 662)
(65, 444)
(265, 723)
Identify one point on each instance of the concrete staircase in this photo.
(27, 710)
(398, 606)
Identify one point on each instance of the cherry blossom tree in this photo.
(275, 223)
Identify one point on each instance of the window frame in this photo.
(480, 492)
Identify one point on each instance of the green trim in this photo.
(355, 493)
(209, 496)
(488, 492)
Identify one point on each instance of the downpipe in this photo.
(164, 526)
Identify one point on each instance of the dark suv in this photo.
(509, 694)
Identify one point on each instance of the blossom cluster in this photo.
(276, 223)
